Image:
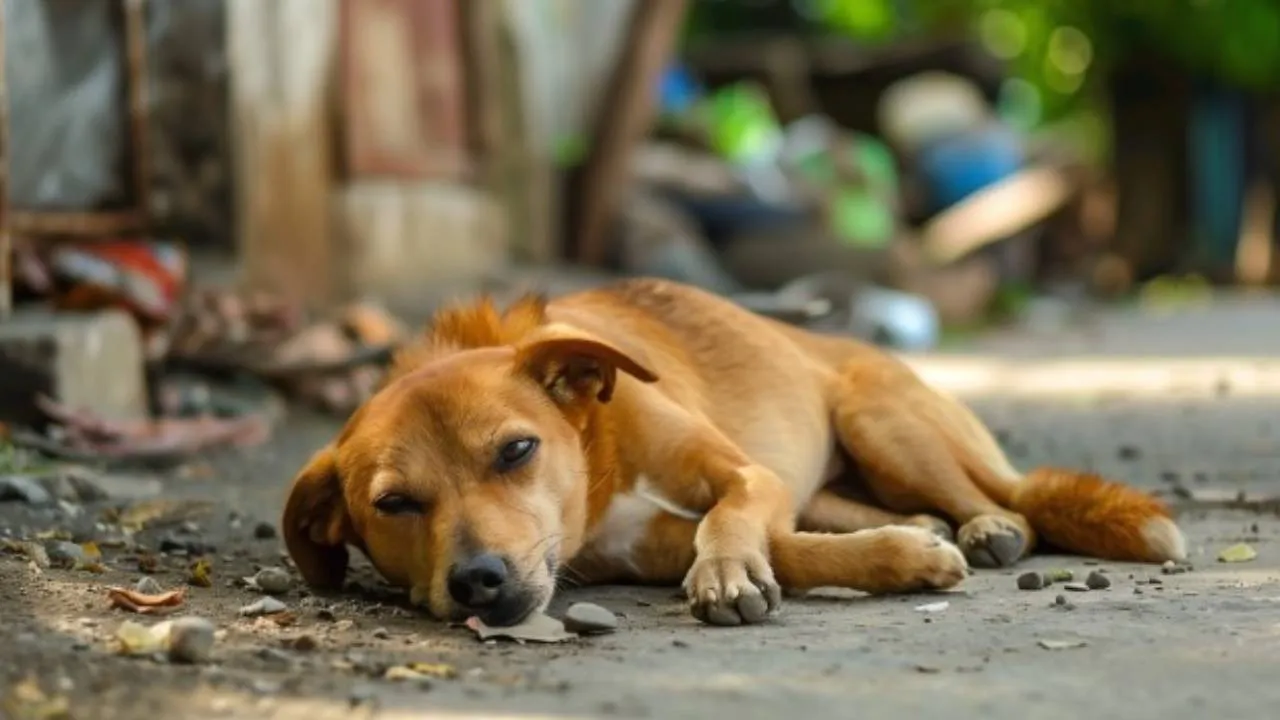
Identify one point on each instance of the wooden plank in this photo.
(282, 56)
(403, 95)
(622, 119)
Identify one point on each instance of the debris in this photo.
(420, 670)
(1061, 644)
(263, 606)
(1128, 452)
(1238, 553)
(928, 669)
(270, 580)
(84, 437)
(144, 604)
(1172, 568)
(198, 574)
(538, 627)
(1054, 576)
(147, 585)
(586, 618)
(159, 512)
(26, 701)
(23, 489)
(1076, 587)
(1097, 581)
(933, 607)
(381, 633)
(190, 640)
(33, 551)
(64, 554)
(264, 531)
(1031, 581)
(135, 639)
(304, 643)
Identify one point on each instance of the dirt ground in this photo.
(1205, 643)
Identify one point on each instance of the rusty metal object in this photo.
(98, 223)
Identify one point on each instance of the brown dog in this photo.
(651, 432)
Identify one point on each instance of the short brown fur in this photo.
(680, 438)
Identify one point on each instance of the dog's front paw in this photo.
(732, 590)
(912, 559)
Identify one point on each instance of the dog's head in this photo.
(465, 477)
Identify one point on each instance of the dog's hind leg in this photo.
(829, 512)
(889, 422)
(890, 559)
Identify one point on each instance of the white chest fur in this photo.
(627, 519)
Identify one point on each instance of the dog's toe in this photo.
(991, 541)
(731, 592)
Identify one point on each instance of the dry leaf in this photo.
(419, 671)
(26, 701)
(144, 604)
(199, 574)
(536, 628)
(1061, 644)
(1238, 553)
(136, 639)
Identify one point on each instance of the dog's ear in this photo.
(316, 525)
(575, 366)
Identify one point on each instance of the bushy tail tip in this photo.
(1085, 514)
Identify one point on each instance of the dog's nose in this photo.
(478, 581)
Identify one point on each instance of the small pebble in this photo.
(1076, 587)
(586, 618)
(272, 581)
(304, 643)
(264, 531)
(1030, 581)
(1060, 600)
(24, 489)
(65, 554)
(1137, 591)
(264, 606)
(1128, 452)
(1154, 581)
(147, 585)
(191, 640)
(1097, 581)
(381, 633)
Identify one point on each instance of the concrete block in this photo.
(402, 241)
(92, 361)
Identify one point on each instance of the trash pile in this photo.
(890, 237)
(220, 364)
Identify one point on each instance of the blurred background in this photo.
(278, 188)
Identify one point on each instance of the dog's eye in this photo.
(397, 504)
(515, 453)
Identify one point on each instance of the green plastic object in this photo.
(741, 122)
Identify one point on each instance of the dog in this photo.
(649, 432)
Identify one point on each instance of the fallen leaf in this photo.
(1241, 552)
(145, 604)
(536, 628)
(1061, 644)
(26, 701)
(283, 619)
(199, 574)
(137, 639)
(444, 671)
(404, 673)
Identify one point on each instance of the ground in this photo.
(1189, 645)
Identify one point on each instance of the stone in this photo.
(89, 361)
(586, 618)
(191, 640)
(265, 531)
(1097, 581)
(147, 585)
(272, 581)
(265, 606)
(65, 554)
(1031, 581)
(23, 488)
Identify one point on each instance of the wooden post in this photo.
(282, 55)
(622, 119)
(6, 244)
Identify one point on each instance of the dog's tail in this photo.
(1085, 514)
